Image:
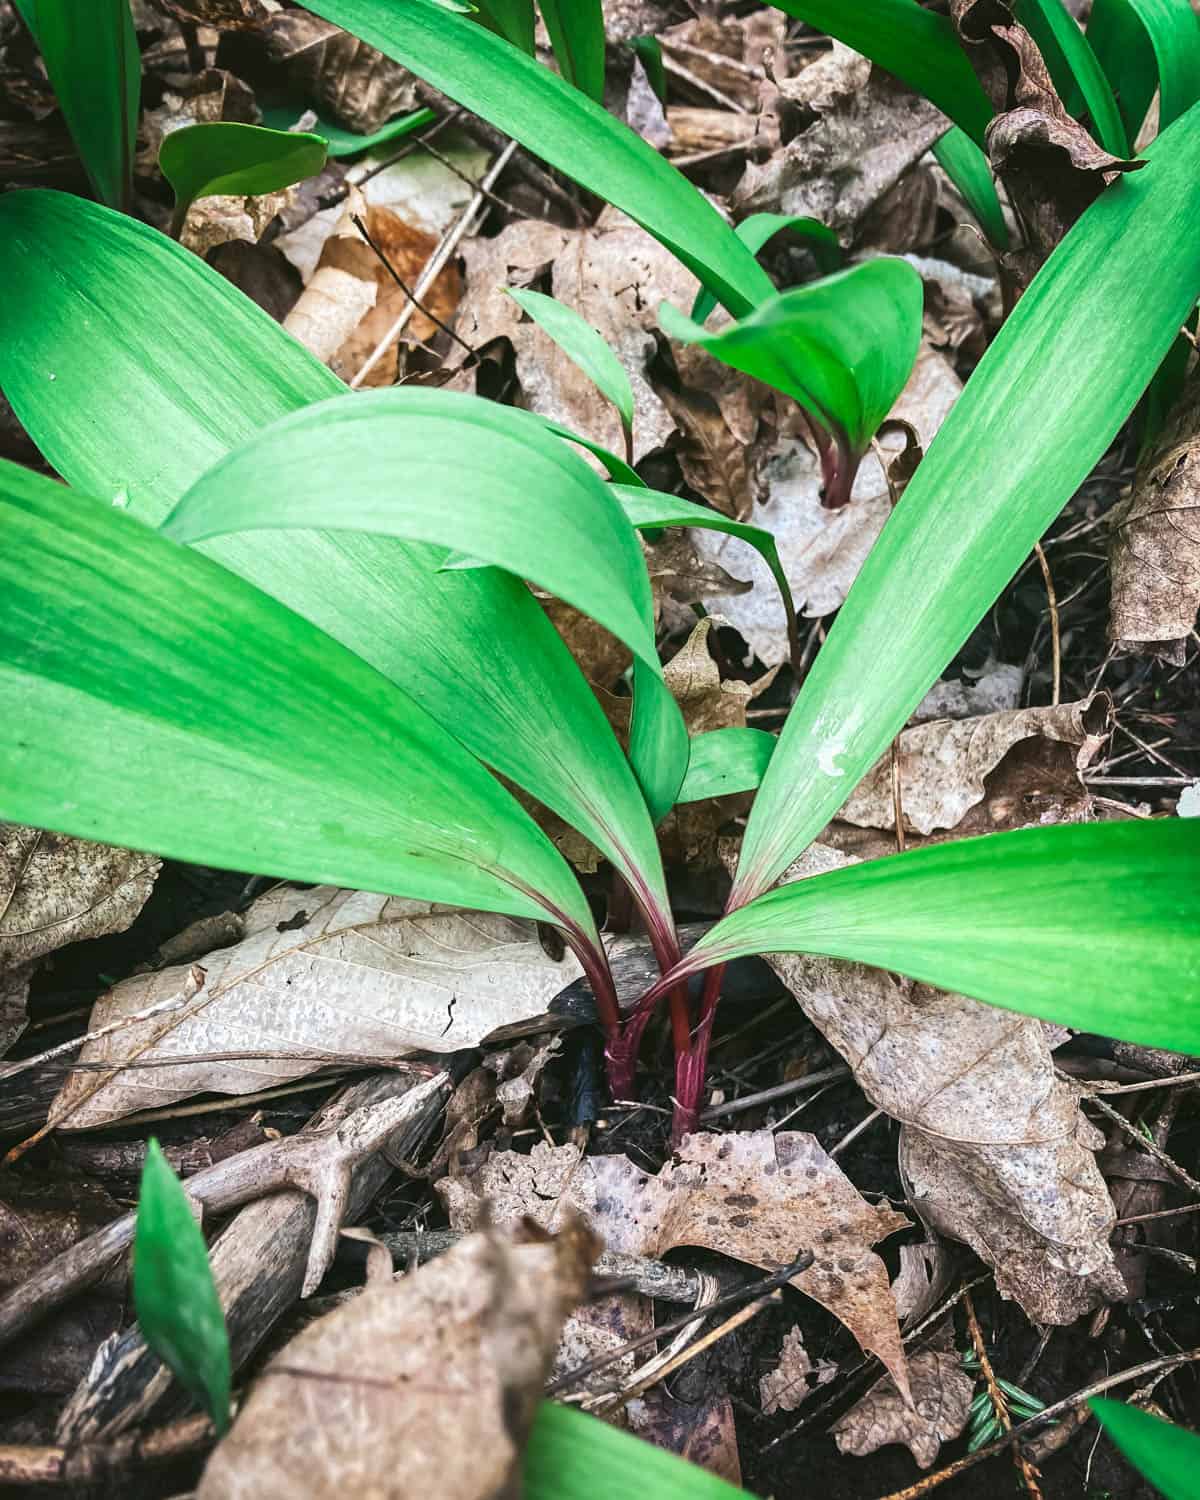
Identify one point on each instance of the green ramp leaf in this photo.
(574, 1456)
(1022, 437)
(150, 697)
(724, 761)
(1074, 69)
(1167, 1455)
(564, 127)
(135, 420)
(971, 173)
(225, 157)
(1093, 926)
(514, 20)
(582, 344)
(576, 30)
(759, 229)
(174, 1294)
(1145, 45)
(842, 347)
(920, 48)
(91, 54)
(341, 142)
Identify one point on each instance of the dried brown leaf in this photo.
(1155, 547)
(694, 679)
(755, 1196)
(56, 890)
(944, 766)
(942, 1392)
(994, 1147)
(357, 86)
(428, 1385)
(222, 219)
(821, 550)
(321, 970)
(225, 15)
(795, 1378)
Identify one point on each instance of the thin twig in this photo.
(897, 796)
(852, 1135)
(1055, 637)
(360, 225)
(1029, 1475)
(778, 1091)
(1147, 1145)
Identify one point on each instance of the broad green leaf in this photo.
(842, 347)
(724, 761)
(757, 230)
(1148, 44)
(971, 173)
(564, 127)
(576, 30)
(1168, 1456)
(341, 142)
(514, 20)
(150, 697)
(91, 54)
(174, 1294)
(648, 509)
(1074, 69)
(1093, 926)
(136, 419)
(226, 157)
(574, 1456)
(1030, 426)
(582, 344)
(920, 48)
(469, 472)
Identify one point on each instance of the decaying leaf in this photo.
(821, 550)
(1155, 547)
(868, 132)
(56, 890)
(723, 58)
(941, 1391)
(944, 766)
(755, 1196)
(1052, 167)
(224, 219)
(225, 15)
(321, 971)
(924, 1275)
(994, 1147)
(794, 1378)
(425, 1386)
(343, 77)
(694, 679)
(14, 997)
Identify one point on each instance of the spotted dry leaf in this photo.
(427, 1385)
(994, 1147)
(942, 1392)
(1155, 540)
(755, 1196)
(323, 972)
(795, 1378)
(56, 890)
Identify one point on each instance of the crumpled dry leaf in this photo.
(924, 1275)
(1052, 167)
(225, 15)
(694, 679)
(868, 132)
(960, 307)
(755, 1196)
(722, 59)
(795, 1378)
(945, 764)
(223, 218)
(203, 99)
(56, 890)
(942, 1392)
(325, 971)
(426, 1386)
(994, 1147)
(1155, 540)
(821, 550)
(343, 78)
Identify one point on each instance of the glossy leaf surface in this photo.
(576, 30)
(576, 337)
(1148, 44)
(759, 229)
(971, 173)
(724, 761)
(226, 157)
(1168, 1456)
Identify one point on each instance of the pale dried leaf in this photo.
(726, 54)
(223, 218)
(924, 1275)
(14, 998)
(944, 764)
(869, 131)
(333, 971)
(755, 1196)
(942, 1392)
(1155, 547)
(794, 1378)
(821, 550)
(343, 77)
(426, 1386)
(706, 702)
(994, 1147)
(56, 890)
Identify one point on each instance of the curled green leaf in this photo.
(758, 230)
(201, 161)
(582, 344)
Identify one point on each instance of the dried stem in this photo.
(1028, 1473)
